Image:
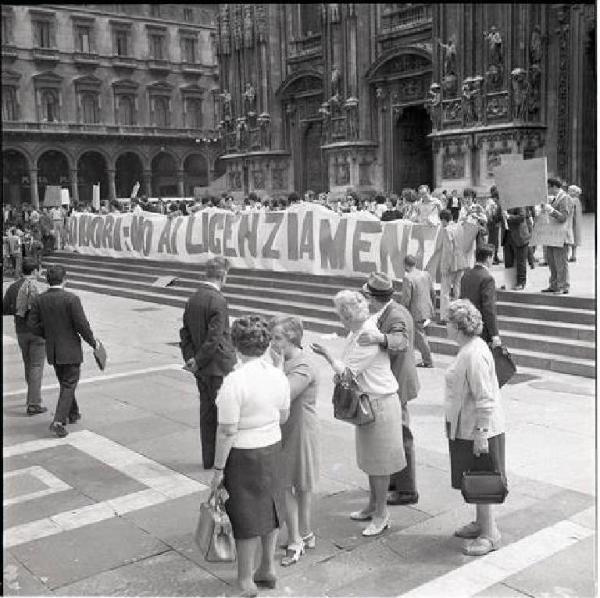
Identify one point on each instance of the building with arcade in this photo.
(377, 97)
(108, 93)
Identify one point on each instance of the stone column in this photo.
(33, 182)
(112, 191)
(180, 183)
(148, 183)
(74, 186)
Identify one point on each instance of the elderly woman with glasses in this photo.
(379, 446)
(299, 434)
(474, 418)
(252, 403)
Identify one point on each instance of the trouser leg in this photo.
(421, 343)
(208, 386)
(445, 295)
(521, 260)
(405, 481)
(552, 266)
(561, 266)
(68, 377)
(33, 349)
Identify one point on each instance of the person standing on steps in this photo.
(17, 302)
(58, 316)
(418, 296)
(478, 285)
(396, 336)
(207, 348)
(516, 244)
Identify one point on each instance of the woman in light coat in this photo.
(379, 447)
(574, 192)
(474, 417)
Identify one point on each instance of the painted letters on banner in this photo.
(547, 231)
(310, 239)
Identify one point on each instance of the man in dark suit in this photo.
(478, 285)
(58, 316)
(396, 336)
(33, 347)
(516, 244)
(207, 348)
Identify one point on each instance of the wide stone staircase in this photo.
(553, 333)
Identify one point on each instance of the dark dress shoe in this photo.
(519, 287)
(265, 581)
(59, 429)
(424, 365)
(572, 259)
(549, 290)
(402, 498)
(36, 409)
(74, 418)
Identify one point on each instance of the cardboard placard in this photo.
(522, 183)
(52, 197)
(65, 200)
(549, 232)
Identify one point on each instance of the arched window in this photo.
(49, 105)
(161, 112)
(9, 104)
(310, 19)
(89, 106)
(194, 113)
(125, 110)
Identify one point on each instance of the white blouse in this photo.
(370, 364)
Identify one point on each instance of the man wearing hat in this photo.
(396, 336)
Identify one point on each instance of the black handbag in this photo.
(505, 365)
(349, 403)
(483, 484)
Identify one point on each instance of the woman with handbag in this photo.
(379, 447)
(299, 434)
(474, 418)
(252, 403)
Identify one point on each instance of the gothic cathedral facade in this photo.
(378, 97)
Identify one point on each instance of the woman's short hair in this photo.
(291, 327)
(351, 305)
(574, 189)
(250, 335)
(466, 317)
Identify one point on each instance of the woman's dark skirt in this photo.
(462, 458)
(253, 478)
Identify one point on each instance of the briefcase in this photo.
(505, 366)
(214, 535)
(100, 355)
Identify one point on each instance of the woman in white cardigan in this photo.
(474, 417)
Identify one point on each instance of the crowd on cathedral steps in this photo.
(258, 383)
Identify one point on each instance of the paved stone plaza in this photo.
(111, 509)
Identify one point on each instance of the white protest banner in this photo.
(310, 239)
(522, 183)
(96, 196)
(64, 197)
(547, 231)
(52, 197)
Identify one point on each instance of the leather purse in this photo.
(505, 365)
(349, 403)
(214, 535)
(483, 486)
(100, 355)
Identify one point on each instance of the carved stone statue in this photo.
(351, 106)
(336, 81)
(535, 45)
(494, 39)
(470, 93)
(264, 122)
(435, 105)
(449, 55)
(227, 112)
(325, 120)
(240, 133)
(493, 77)
(250, 99)
(520, 88)
(535, 89)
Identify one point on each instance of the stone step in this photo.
(537, 360)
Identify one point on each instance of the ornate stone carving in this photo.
(520, 92)
(259, 179)
(248, 26)
(494, 159)
(279, 177)
(250, 100)
(450, 73)
(535, 89)
(452, 110)
(261, 23)
(497, 106)
(336, 81)
(453, 166)
(493, 77)
(237, 27)
(364, 173)
(240, 132)
(264, 123)
(535, 46)
(495, 49)
(434, 105)
(563, 15)
(225, 32)
(334, 12)
(227, 109)
(471, 101)
(351, 107)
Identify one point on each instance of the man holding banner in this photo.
(560, 236)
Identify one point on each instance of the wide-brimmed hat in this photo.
(378, 285)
